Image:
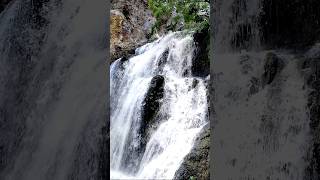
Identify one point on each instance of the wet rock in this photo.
(164, 58)
(195, 82)
(196, 163)
(152, 101)
(290, 24)
(201, 62)
(150, 107)
(273, 65)
(124, 59)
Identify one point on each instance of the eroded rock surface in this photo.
(196, 163)
(131, 23)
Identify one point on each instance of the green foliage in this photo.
(192, 178)
(192, 13)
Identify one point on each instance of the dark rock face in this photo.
(272, 67)
(290, 23)
(163, 59)
(196, 163)
(152, 102)
(201, 61)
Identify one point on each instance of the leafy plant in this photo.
(191, 13)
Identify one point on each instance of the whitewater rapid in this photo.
(180, 118)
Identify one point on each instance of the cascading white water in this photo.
(182, 113)
(236, 21)
(262, 133)
(63, 100)
(261, 130)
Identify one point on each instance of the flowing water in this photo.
(53, 90)
(180, 118)
(271, 138)
(261, 130)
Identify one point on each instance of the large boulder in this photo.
(152, 102)
(196, 164)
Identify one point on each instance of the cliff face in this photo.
(130, 26)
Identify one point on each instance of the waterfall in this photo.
(53, 88)
(261, 128)
(142, 148)
(236, 24)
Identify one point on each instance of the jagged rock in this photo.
(196, 163)
(163, 59)
(273, 65)
(152, 101)
(151, 106)
(201, 61)
(131, 23)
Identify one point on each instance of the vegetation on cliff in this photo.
(180, 14)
